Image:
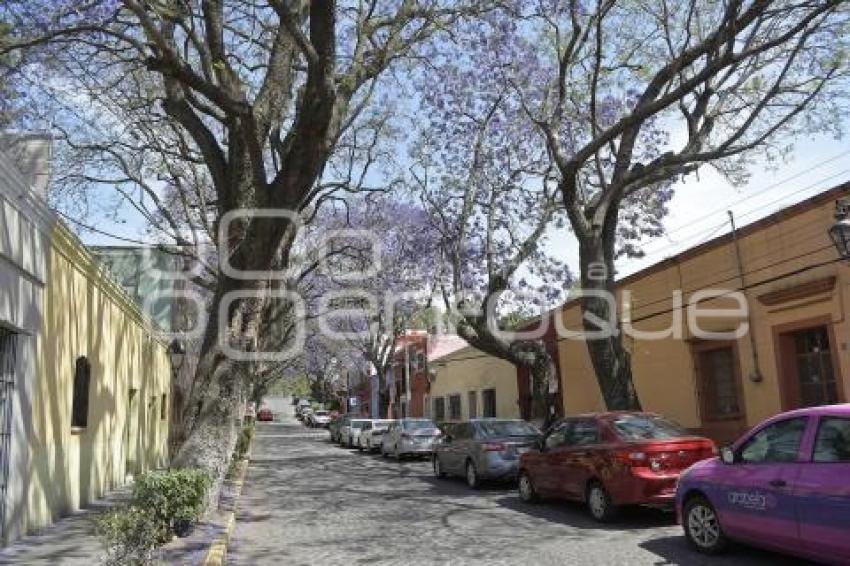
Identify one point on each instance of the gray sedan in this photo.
(410, 437)
(483, 449)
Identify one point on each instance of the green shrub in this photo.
(130, 536)
(171, 497)
(243, 442)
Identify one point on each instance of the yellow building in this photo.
(83, 382)
(468, 383)
(794, 294)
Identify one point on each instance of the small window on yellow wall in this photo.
(163, 407)
(80, 399)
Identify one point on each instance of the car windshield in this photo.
(638, 427)
(500, 429)
(357, 424)
(419, 424)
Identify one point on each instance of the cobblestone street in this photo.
(307, 501)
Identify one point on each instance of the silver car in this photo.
(320, 418)
(483, 449)
(372, 434)
(410, 437)
(349, 433)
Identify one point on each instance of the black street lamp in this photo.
(839, 232)
(177, 355)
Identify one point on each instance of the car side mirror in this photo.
(727, 456)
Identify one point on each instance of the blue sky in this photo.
(697, 211)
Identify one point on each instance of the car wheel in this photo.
(702, 526)
(438, 468)
(527, 492)
(599, 503)
(472, 476)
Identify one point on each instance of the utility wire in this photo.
(714, 229)
(744, 288)
(102, 232)
(753, 195)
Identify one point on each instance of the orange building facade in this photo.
(780, 277)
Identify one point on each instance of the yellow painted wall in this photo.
(86, 314)
(468, 370)
(665, 377)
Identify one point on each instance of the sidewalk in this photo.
(69, 541)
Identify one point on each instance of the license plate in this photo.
(522, 449)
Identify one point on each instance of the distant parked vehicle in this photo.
(608, 460)
(306, 415)
(410, 437)
(483, 449)
(303, 404)
(782, 486)
(352, 432)
(320, 418)
(265, 415)
(336, 425)
(371, 435)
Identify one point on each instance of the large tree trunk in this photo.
(531, 355)
(543, 395)
(611, 361)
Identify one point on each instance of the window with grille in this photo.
(816, 375)
(454, 408)
(80, 401)
(8, 360)
(718, 376)
(488, 402)
(439, 409)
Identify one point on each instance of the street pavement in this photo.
(307, 501)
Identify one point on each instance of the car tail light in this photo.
(633, 459)
(493, 447)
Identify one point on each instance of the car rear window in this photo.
(498, 429)
(833, 440)
(418, 425)
(637, 427)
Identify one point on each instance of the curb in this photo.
(218, 549)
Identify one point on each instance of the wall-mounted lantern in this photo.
(839, 232)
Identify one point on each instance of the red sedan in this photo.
(607, 460)
(265, 415)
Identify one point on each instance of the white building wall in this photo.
(25, 225)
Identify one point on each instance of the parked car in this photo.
(335, 427)
(608, 460)
(351, 432)
(410, 437)
(782, 486)
(302, 405)
(320, 418)
(265, 414)
(306, 415)
(371, 435)
(483, 449)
